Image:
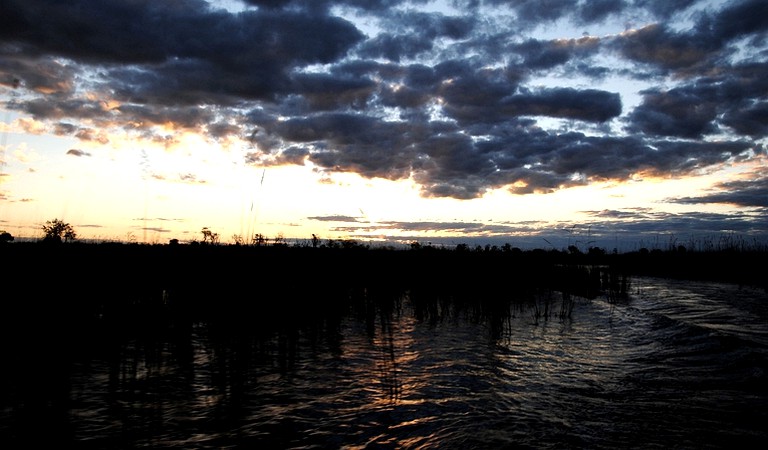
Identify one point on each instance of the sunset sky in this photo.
(614, 123)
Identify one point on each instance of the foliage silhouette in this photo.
(5, 237)
(56, 229)
(267, 286)
(209, 237)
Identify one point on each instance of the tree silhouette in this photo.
(279, 240)
(258, 240)
(209, 236)
(57, 229)
(5, 237)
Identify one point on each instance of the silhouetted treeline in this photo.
(263, 282)
(79, 282)
(746, 267)
(200, 270)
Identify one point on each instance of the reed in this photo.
(144, 287)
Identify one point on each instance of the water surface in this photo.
(676, 365)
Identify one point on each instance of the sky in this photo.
(538, 123)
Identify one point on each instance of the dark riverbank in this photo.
(200, 270)
(205, 269)
(227, 265)
(120, 282)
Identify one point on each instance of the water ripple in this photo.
(681, 365)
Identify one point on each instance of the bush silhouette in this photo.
(57, 229)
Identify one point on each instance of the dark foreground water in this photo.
(676, 365)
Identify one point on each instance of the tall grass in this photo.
(145, 287)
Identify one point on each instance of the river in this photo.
(678, 364)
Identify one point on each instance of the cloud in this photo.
(666, 49)
(670, 50)
(180, 53)
(461, 101)
(751, 120)
(585, 104)
(664, 8)
(695, 224)
(190, 178)
(538, 54)
(410, 34)
(323, 92)
(451, 227)
(155, 229)
(629, 229)
(751, 192)
(703, 106)
(335, 218)
(43, 75)
(319, 5)
(78, 153)
(89, 226)
(596, 11)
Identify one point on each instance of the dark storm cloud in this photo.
(531, 13)
(490, 96)
(268, 3)
(197, 54)
(598, 10)
(459, 102)
(42, 75)
(144, 116)
(699, 107)
(448, 162)
(664, 8)
(328, 92)
(45, 109)
(664, 48)
(293, 155)
(736, 20)
(659, 45)
(451, 166)
(403, 97)
(147, 31)
(254, 65)
(582, 104)
(410, 34)
(371, 5)
(536, 11)
(538, 54)
(751, 121)
(677, 112)
(220, 130)
(395, 48)
(353, 143)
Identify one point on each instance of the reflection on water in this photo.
(676, 365)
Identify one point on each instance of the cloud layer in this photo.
(463, 99)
